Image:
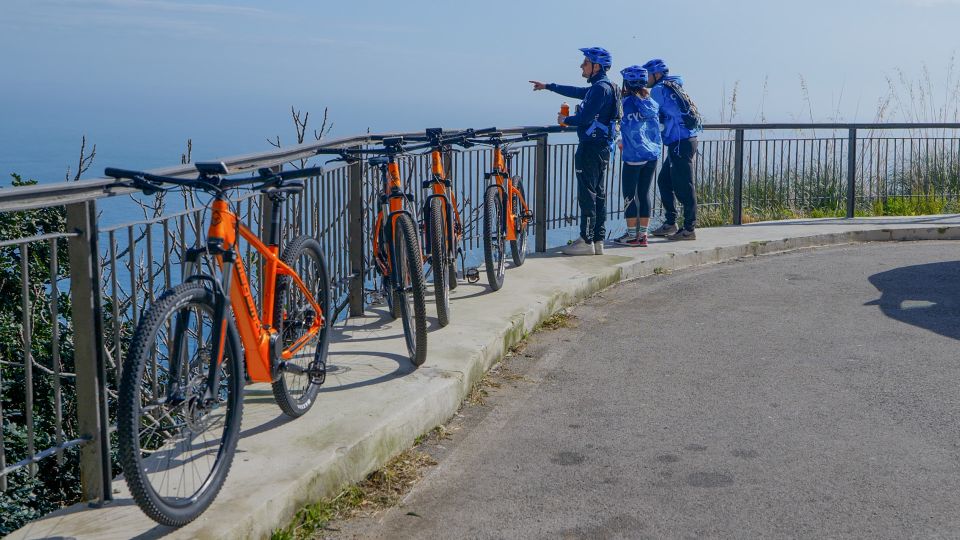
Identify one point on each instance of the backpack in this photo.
(689, 114)
(618, 104)
(612, 129)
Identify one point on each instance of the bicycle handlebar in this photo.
(210, 182)
(391, 148)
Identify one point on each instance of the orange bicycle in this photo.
(180, 398)
(506, 216)
(441, 224)
(396, 249)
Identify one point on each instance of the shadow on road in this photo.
(924, 295)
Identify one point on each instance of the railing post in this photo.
(355, 244)
(540, 194)
(851, 172)
(92, 418)
(738, 178)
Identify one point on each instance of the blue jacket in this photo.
(595, 115)
(640, 130)
(670, 116)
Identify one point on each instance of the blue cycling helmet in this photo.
(634, 76)
(598, 55)
(656, 66)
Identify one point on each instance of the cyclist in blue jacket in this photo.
(676, 180)
(596, 122)
(641, 147)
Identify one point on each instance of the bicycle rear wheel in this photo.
(439, 260)
(296, 389)
(176, 443)
(410, 287)
(518, 247)
(493, 238)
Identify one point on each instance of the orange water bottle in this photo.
(565, 111)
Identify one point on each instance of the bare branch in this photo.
(187, 158)
(324, 128)
(300, 125)
(84, 162)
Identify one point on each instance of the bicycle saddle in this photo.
(377, 161)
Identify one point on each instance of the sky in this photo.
(139, 77)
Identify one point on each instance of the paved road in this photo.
(812, 394)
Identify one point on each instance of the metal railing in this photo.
(89, 305)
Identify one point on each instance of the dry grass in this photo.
(382, 489)
(560, 319)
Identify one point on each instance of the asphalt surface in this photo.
(812, 394)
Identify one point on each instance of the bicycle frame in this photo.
(504, 182)
(257, 333)
(392, 204)
(438, 185)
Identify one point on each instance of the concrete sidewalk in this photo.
(374, 405)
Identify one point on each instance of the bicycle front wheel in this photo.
(293, 316)
(439, 260)
(493, 238)
(408, 282)
(176, 439)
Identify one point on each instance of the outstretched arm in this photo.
(575, 92)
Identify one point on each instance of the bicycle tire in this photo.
(439, 261)
(389, 289)
(408, 267)
(139, 470)
(288, 318)
(518, 247)
(493, 242)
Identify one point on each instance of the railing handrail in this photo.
(62, 193)
(828, 125)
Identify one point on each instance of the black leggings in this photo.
(635, 181)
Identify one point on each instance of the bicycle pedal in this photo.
(317, 372)
(472, 275)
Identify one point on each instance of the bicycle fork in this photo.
(179, 371)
